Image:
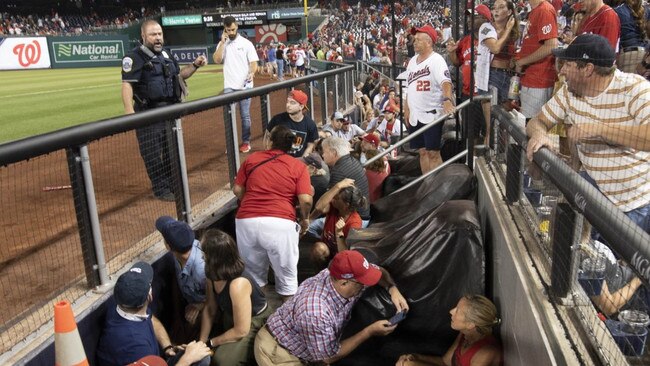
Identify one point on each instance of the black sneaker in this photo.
(167, 196)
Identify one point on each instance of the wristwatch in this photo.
(209, 343)
(195, 65)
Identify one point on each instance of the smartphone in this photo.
(397, 318)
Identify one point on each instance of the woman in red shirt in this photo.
(473, 317)
(340, 205)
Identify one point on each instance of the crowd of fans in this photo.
(55, 24)
(512, 41)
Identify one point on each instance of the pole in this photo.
(306, 19)
(394, 44)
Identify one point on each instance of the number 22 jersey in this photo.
(424, 93)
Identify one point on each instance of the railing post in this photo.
(514, 178)
(185, 203)
(346, 93)
(83, 216)
(265, 106)
(230, 125)
(87, 218)
(566, 232)
(336, 92)
(175, 169)
(311, 100)
(323, 101)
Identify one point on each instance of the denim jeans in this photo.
(640, 215)
(280, 69)
(245, 113)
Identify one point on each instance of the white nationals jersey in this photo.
(424, 93)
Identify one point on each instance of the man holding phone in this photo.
(308, 327)
(239, 58)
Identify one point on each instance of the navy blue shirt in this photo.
(630, 32)
(125, 341)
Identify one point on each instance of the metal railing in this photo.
(80, 199)
(570, 220)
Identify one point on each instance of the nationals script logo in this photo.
(418, 74)
(28, 54)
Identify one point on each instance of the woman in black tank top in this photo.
(233, 299)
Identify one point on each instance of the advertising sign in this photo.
(270, 33)
(87, 50)
(188, 54)
(291, 13)
(181, 20)
(21, 53)
(243, 18)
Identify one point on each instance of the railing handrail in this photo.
(29, 147)
(610, 221)
(411, 136)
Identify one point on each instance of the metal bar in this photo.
(514, 173)
(265, 106)
(336, 93)
(323, 98)
(346, 96)
(230, 129)
(83, 216)
(94, 217)
(173, 168)
(562, 256)
(421, 131)
(185, 185)
(624, 236)
(311, 100)
(30, 147)
(456, 157)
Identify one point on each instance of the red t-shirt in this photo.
(375, 184)
(329, 230)
(463, 53)
(542, 25)
(273, 187)
(605, 23)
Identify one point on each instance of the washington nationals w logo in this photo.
(28, 54)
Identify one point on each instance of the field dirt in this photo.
(40, 250)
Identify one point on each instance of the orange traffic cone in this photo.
(67, 343)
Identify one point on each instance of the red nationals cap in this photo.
(351, 265)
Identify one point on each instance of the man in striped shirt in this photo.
(595, 92)
(308, 327)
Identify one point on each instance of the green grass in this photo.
(38, 101)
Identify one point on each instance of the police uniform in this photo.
(154, 79)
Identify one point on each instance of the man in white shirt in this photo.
(301, 57)
(239, 59)
(430, 96)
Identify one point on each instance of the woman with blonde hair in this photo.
(473, 317)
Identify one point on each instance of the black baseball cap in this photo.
(591, 48)
(132, 287)
(178, 234)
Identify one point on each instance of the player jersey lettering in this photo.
(418, 74)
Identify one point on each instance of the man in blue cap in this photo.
(596, 93)
(188, 291)
(132, 332)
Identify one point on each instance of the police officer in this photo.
(151, 79)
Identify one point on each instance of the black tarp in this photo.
(434, 258)
(454, 182)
